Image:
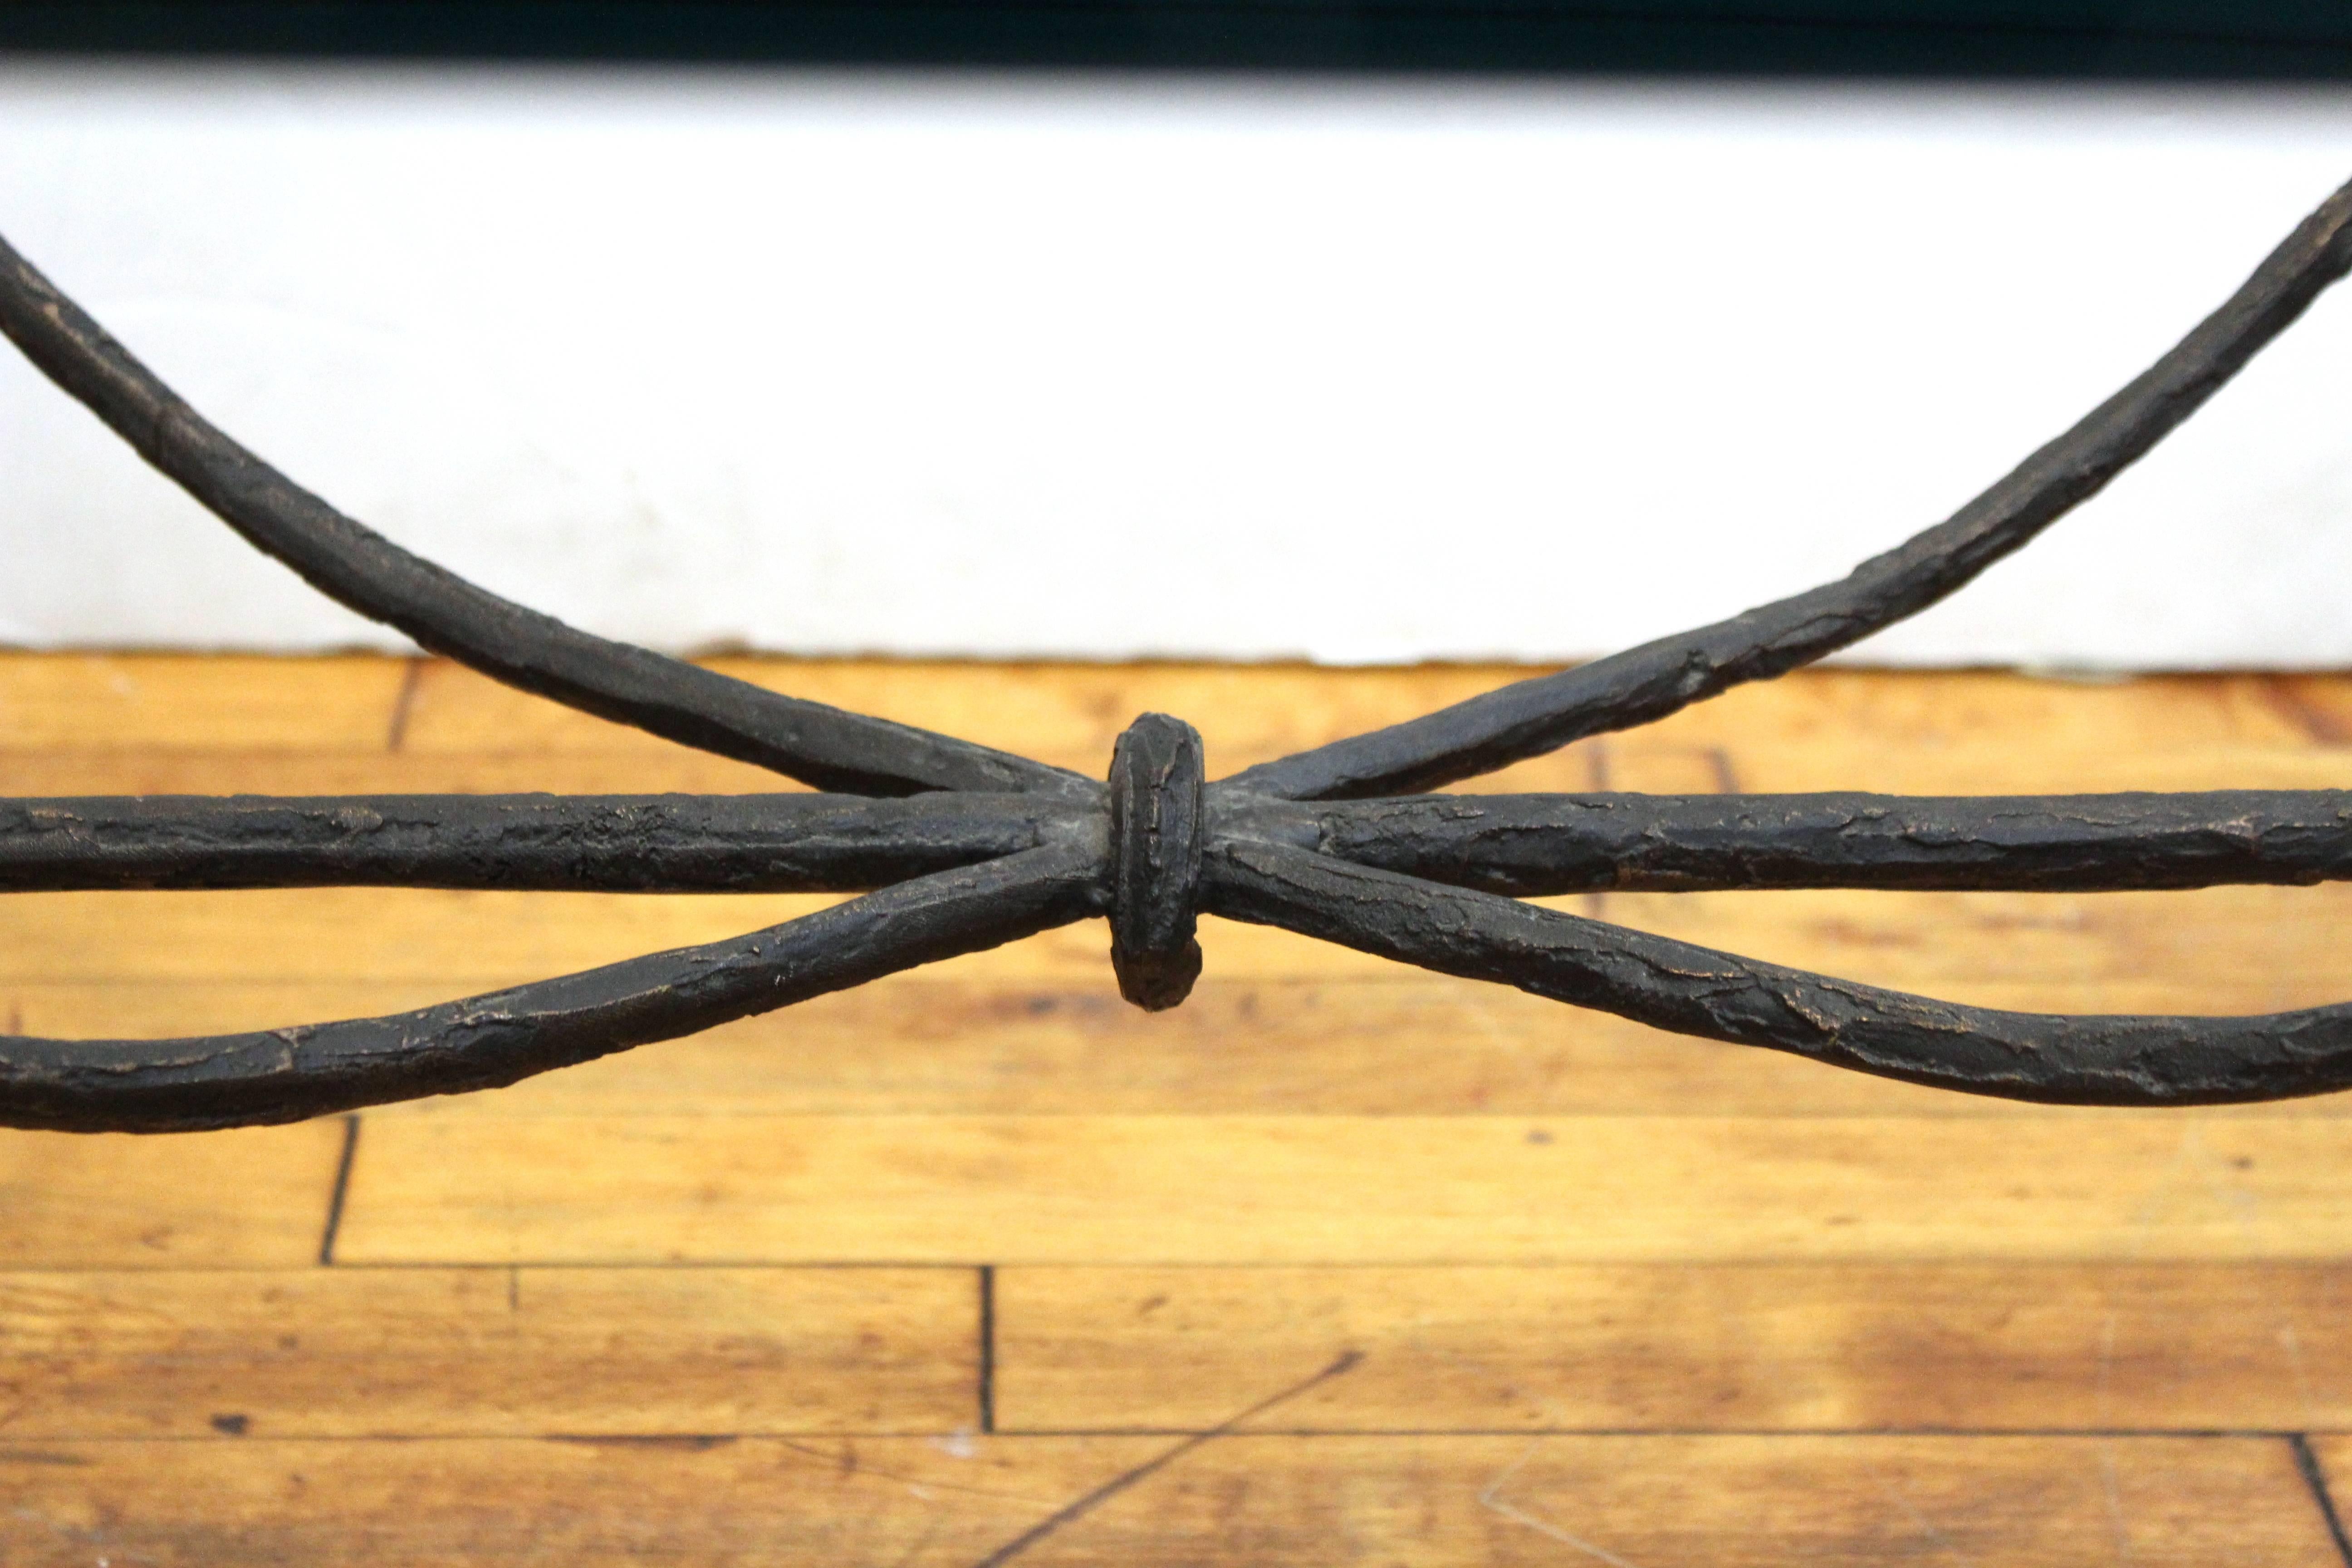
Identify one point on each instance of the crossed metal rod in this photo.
(957, 847)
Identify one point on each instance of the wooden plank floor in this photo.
(1336, 1264)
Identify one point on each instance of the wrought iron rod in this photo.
(1528, 845)
(482, 1042)
(1522, 846)
(610, 843)
(2067, 1059)
(1648, 682)
(1300, 843)
(360, 568)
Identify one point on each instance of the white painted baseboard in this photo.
(940, 364)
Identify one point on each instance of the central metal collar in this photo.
(1155, 851)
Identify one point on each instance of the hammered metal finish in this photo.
(957, 848)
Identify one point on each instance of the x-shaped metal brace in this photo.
(956, 846)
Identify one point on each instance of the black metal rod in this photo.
(1649, 682)
(482, 1042)
(612, 843)
(1529, 845)
(2055, 1058)
(1030, 846)
(358, 567)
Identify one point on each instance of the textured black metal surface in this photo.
(1655, 980)
(481, 1042)
(1649, 682)
(361, 569)
(969, 847)
(1529, 845)
(1157, 823)
(608, 844)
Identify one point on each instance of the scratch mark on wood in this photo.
(2112, 1489)
(1926, 1526)
(1492, 1501)
(1119, 1483)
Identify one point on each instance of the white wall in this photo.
(840, 363)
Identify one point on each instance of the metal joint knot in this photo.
(1156, 780)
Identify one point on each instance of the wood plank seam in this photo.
(1239, 1499)
(2299, 1497)
(225, 1432)
(2186, 1434)
(2306, 1464)
(986, 1378)
(336, 1195)
(404, 702)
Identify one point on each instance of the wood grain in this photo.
(2219, 950)
(257, 1197)
(1070, 713)
(2332, 1458)
(1964, 722)
(177, 702)
(343, 1353)
(1659, 1502)
(1611, 1295)
(1202, 1189)
(1682, 1347)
